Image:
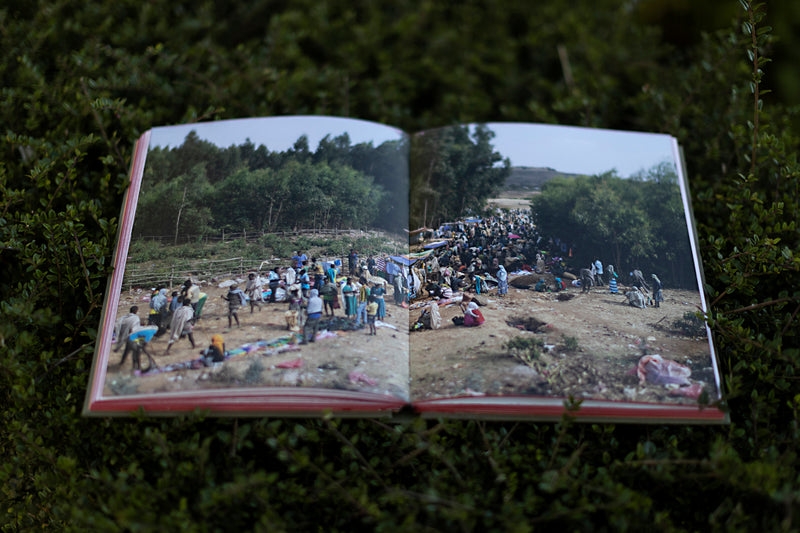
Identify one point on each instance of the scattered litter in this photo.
(692, 391)
(339, 323)
(357, 377)
(655, 369)
(297, 363)
(380, 324)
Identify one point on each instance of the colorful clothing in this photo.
(361, 312)
(350, 305)
(473, 315)
(378, 293)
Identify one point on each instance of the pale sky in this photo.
(276, 133)
(576, 150)
(567, 149)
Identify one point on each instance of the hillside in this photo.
(530, 178)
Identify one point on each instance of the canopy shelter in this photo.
(410, 259)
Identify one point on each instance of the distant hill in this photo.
(531, 178)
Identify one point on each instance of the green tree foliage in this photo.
(454, 170)
(82, 80)
(198, 187)
(635, 223)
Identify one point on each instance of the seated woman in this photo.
(472, 314)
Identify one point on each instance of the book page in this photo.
(247, 252)
(557, 263)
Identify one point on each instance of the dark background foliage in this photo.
(81, 80)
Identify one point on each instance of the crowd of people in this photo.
(475, 255)
(309, 288)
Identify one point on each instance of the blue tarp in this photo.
(402, 260)
(409, 259)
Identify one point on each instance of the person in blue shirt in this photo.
(305, 282)
(274, 280)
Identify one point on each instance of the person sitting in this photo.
(636, 298)
(215, 353)
(434, 290)
(472, 314)
(541, 285)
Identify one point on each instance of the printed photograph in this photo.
(265, 253)
(557, 262)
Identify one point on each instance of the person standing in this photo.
(299, 259)
(313, 314)
(236, 298)
(349, 294)
(330, 273)
(181, 325)
(352, 261)
(399, 297)
(253, 291)
(363, 297)
(638, 280)
(159, 311)
(587, 280)
(378, 293)
(372, 313)
(274, 280)
(122, 330)
(305, 282)
(598, 275)
(329, 297)
(292, 315)
(290, 275)
(658, 296)
(612, 280)
(502, 280)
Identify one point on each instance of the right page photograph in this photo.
(554, 264)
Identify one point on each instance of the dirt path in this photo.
(611, 337)
(350, 360)
(610, 334)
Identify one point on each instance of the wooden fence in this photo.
(143, 275)
(147, 275)
(244, 235)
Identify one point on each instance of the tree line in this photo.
(634, 223)
(453, 172)
(199, 188)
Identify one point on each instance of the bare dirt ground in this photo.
(352, 360)
(452, 361)
(611, 337)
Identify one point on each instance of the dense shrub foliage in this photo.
(81, 80)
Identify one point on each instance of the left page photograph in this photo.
(255, 272)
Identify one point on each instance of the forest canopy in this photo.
(630, 223)
(453, 172)
(198, 188)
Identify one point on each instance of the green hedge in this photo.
(81, 80)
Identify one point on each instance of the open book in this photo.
(299, 266)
